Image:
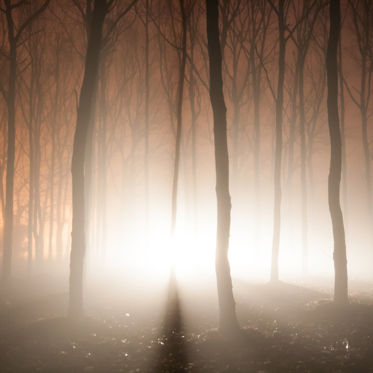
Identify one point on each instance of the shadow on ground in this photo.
(172, 354)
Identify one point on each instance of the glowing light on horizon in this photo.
(193, 253)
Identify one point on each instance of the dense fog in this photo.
(195, 165)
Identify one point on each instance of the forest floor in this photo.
(287, 327)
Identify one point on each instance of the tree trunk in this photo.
(364, 132)
(8, 222)
(290, 155)
(77, 165)
(291, 141)
(278, 148)
(61, 206)
(339, 255)
(146, 134)
(343, 135)
(30, 218)
(179, 122)
(228, 320)
(38, 219)
(235, 127)
(255, 73)
(194, 115)
(89, 173)
(102, 160)
(303, 164)
(53, 158)
(368, 174)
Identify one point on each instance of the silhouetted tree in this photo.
(195, 107)
(53, 135)
(146, 23)
(315, 100)
(179, 117)
(99, 13)
(86, 14)
(280, 12)
(343, 135)
(339, 255)
(228, 320)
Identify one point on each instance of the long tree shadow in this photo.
(172, 352)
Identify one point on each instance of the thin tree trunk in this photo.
(30, 203)
(255, 76)
(61, 206)
(291, 140)
(278, 148)
(103, 160)
(38, 223)
(235, 127)
(340, 259)
(64, 208)
(228, 320)
(146, 135)
(8, 222)
(60, 223)
(179, 122)
(98, 231)
(303, 165)
(194, 146)
(290, 155)
(364, 133)
(30, 218)
(53, 157)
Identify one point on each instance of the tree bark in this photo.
(228, 320)
(339, 255)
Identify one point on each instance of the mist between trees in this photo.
(146, 151)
